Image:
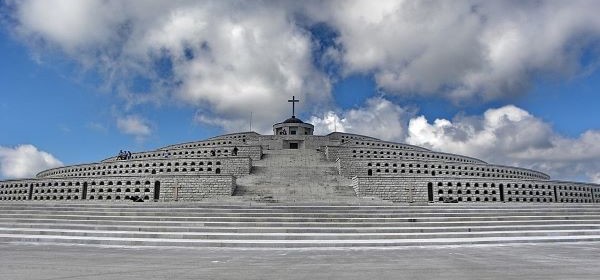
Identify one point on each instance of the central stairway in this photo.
(295, 226)
(295, 176)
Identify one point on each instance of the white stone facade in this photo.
(210, 168)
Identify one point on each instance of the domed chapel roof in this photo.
(293, 119)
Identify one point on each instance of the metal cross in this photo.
(293, 100)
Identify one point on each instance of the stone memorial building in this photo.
(294, 165)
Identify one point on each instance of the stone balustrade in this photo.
(236, 166)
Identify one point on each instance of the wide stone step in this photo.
(296, 212)
(293, 236)
(299, 206)
(337, 214)
(187, 243)
(168, 223)
(295, 226)
(299, 219)
(298, 229)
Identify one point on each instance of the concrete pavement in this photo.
(531, 261)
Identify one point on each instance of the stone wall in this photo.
(316, 142)
(349, 136)
(204, 143)
(401, 168)
(240, 136)
(382, 144)
(276, 142)
(253, 152)
(390, 188)
(118, 188)
(349, 152)
(236, 166)
(436, 190)
(191, 189)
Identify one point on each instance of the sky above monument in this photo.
(510, 82)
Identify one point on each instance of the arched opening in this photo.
(430, 191)
(84, 191)
(156, 190)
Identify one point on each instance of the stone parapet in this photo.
(381, 144)
(408, 168)
(444, 189)
(358, 153)
(253, 152)
(118, 188)
(236, 166)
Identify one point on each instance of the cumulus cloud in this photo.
(378, 118)
(25, 161)
(595, 177)
(506, 129)
(463, 49)
(231, 58)
(510, 135)
(134, 125)
(507, 135)
(226, 58)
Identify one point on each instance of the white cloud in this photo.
(74, 25)
(135, 126)
(225, 58)
(510, 135)
(504, 130)
(507, 135)
(463, 49)
(595, 177)
(25, 161)
(231, 58)
(379, 118)
(330, 122)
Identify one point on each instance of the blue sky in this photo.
(81, 80)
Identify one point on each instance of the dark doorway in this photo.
(84, 191)
(156, 190)
(294, 146)
(502, 192)
(430, 192)
(30, 191)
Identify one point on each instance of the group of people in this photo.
(123, 155)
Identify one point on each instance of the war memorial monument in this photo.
(295, 189)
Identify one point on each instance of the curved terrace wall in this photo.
(462, 190)
(253, 152)
(346, 152)
(118, 188)
(403, 168)
(199, 166)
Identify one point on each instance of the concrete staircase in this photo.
(295, 176)
(296, 226)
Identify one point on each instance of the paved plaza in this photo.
(532, 261)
